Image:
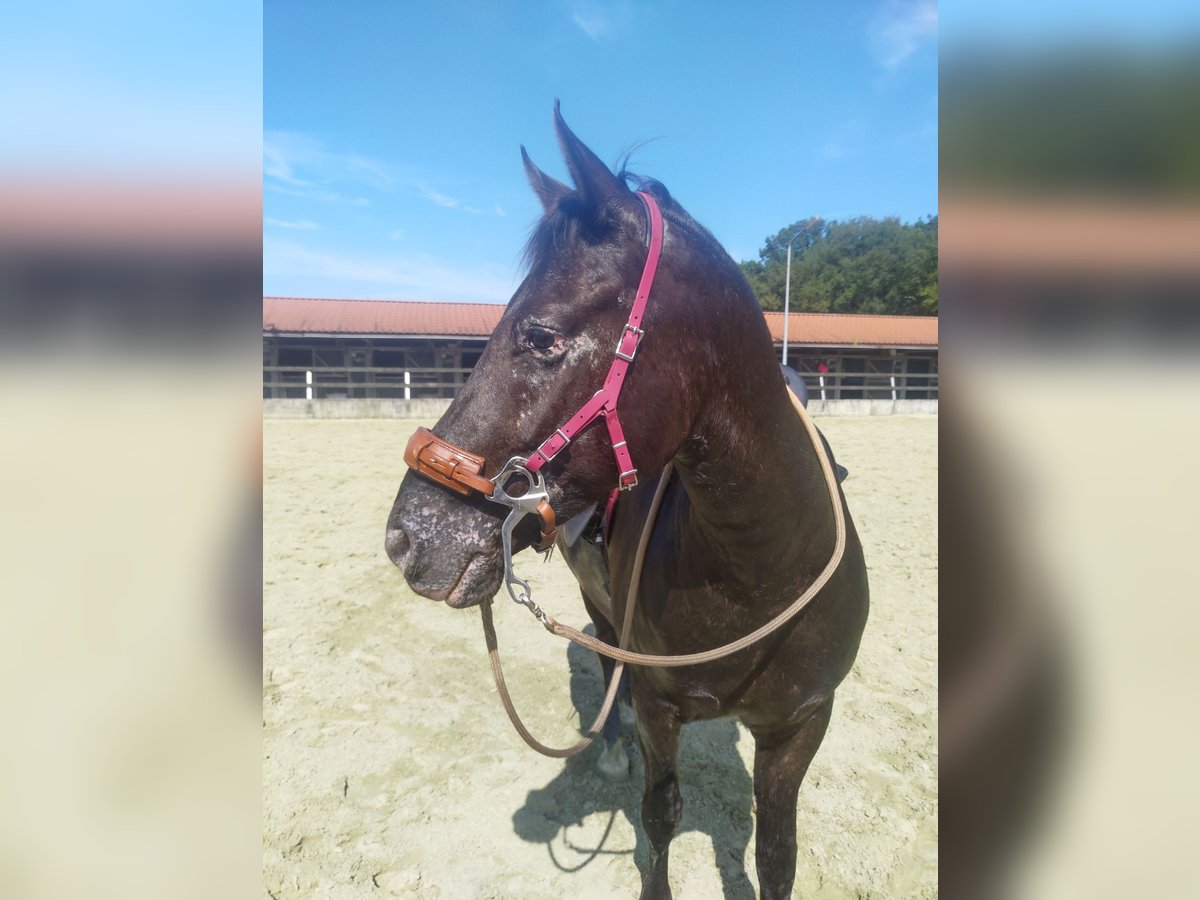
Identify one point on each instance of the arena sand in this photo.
(390, 768)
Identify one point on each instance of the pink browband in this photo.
(604, 402)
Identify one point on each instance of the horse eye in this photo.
(541, 338)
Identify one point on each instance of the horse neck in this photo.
(755, 483)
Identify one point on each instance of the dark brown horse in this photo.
(745, 524)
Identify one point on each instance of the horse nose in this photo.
(397, 545)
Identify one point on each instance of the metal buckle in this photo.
(621, 480)
(520, 507)
(637, 331)
(566, 441)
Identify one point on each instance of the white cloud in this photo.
(370, 172)
(285, 153)
(600, 20)
(444, 200)
(277, 165)
(297, 224)
(317, 194)
(500, 210)
(301, 166)
(900, 28)
(397, 234)
(593, 24)
(414, 277)
(300, 161)
(437, 197)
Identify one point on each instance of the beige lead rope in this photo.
(489, 633)
(622, 655)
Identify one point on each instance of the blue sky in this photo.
(392, 130)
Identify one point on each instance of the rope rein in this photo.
(623, 655)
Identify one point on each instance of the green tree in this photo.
(862, 265)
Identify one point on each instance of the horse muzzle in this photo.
(448, 551)
(446, 546)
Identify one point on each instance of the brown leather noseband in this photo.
(455, 468)
(449, 466)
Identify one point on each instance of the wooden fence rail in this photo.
(414, 383)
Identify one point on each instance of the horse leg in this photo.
(613, 763)
(658, 727)
(625, 702)
(781, 759)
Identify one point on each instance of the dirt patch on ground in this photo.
(391, 770)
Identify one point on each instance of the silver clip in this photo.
(527, 601)
(524, 505)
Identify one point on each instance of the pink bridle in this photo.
(604, 401)
(462, 471)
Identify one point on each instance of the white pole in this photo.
(787, 299)
(821, 378)
(407, 382)
(308, 383)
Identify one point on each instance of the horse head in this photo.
(549, 355)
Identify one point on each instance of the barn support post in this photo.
(369, 357)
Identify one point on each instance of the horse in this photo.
(708, 434)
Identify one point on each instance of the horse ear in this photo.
(549, 190)
(594, 181)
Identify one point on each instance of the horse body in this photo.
(744, 526)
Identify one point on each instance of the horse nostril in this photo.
(397, 545)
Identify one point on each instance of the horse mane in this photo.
(671, 210)
(564, 226)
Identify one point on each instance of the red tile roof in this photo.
(306, 315)
(398, 317)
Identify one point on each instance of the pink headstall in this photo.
(604, 401)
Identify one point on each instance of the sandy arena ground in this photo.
(390, 768)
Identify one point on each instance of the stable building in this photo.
(334, 349)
